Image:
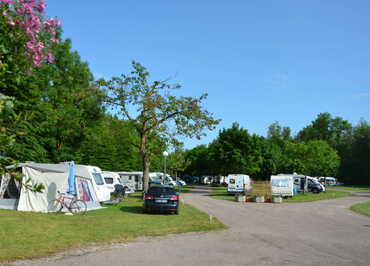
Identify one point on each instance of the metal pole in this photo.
(165, 166)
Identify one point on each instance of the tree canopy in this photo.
(157, 115)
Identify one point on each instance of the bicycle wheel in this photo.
(78, 207)
(55, 206)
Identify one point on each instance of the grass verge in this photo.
(362, 208)
(351, 188)
(221, 193)
(307, 197)
(184, 189)
(28, 235)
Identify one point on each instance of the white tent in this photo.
(54, 177)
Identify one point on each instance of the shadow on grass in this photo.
(140, 210)
(132, 209)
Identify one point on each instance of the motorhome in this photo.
(238, 183)
(304, 183)
(328, 181)
(112, 178)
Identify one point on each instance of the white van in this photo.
(282, 185)
(112, 178)
(238, 183)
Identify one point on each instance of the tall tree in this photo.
(157, 115)
(325, 127)
(236, 151)
(277, 132)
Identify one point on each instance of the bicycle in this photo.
(69, 202)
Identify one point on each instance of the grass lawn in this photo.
(26, 234)
(362, 208)
(221, 193)
(184, 189)
(351, 188)
(306, 197)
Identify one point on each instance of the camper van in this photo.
(306, 183)
(112, 178)
(282, 185)
(328, 181)
(238, 183)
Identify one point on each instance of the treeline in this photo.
(327, 147)
(57, 112)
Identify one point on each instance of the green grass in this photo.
(351, 188)
(27, 235)
(306, 197)
(184, 189)
(221, 193)
(362, 208)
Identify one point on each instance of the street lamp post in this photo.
(165, 154)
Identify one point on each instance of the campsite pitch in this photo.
(28, 235)
(221, 193)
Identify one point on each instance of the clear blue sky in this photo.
(260, 61)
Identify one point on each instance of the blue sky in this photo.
(259, 61)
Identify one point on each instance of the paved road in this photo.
(317, 233)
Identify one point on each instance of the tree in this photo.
(324, 127)
(277, 132)
(25, 41)
(236, 151)
(157, 116)
(68, 102)
(314, 158)
(10, 122)
(355, 168)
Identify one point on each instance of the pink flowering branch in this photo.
(28, 15)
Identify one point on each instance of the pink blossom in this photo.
(28, 16)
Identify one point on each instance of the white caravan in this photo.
(133, 180)
(238, 183)
(54, 178)
(282, 185)
(112, 178)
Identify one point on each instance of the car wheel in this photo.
(177, 211)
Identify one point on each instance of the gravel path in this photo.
(316, 233)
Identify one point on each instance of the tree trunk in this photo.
(146, 166)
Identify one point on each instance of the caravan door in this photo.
(238, 183)
(102, 191)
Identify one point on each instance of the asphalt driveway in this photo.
(316, 233)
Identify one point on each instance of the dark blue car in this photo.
(161, 199)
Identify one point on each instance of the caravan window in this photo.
(98, 178)
(108, 180)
